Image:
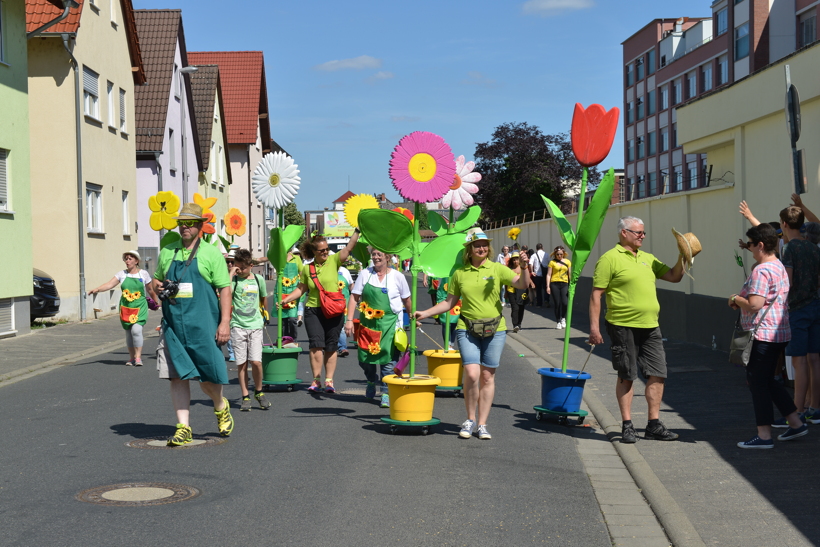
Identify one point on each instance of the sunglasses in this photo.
(325, 250)
(188, 223)
(639, 234)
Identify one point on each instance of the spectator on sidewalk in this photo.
(765, 292)
(558, 284)
(194, 322)
(477, 284)
(801, 259)
(345, 283)
(135, 282)
(247, 323)
(538, 267)
(518, 298)
(627, 276)
(502, 258)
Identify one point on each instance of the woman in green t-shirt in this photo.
(323, 332)
(478, 284)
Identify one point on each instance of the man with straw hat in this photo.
(187, 278)
(627, 275)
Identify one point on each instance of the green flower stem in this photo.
(446, 321)
(278, 291)
(581, 204)
(414, 272)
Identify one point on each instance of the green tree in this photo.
(293, 215)
(519, 164)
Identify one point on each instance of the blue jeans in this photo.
(482, 351)
(231, 355)
(372, 375)
(342, 340)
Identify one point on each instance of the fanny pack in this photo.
(482, 328)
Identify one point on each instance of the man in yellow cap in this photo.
(195, 321)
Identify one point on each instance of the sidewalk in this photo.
(702, 485)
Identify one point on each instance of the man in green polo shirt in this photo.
(627, 276)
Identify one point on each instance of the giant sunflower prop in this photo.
(356, 203)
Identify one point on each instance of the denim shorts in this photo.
(805, 327)
(482, 351)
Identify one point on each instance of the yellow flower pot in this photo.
(411, 399)
(445, 365)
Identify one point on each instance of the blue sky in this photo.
(346, 80)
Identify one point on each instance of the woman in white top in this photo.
(380, 294)
(133, 304)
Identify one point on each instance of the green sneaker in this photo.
(246, 404)
(182, 436)
(264, 404)
(224, 419)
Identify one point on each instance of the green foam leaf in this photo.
(437, 223)
(442, 255)
(467, 219)
(564, 227)
(169, 238)
(591, 224)
(387, 231)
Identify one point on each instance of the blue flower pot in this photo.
(562, 391)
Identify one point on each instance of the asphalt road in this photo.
(311, 470)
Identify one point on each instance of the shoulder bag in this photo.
(333, 303)
(740, 348)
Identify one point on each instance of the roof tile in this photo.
(40, 12)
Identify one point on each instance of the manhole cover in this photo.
(138, 494)
(351, 391)
(161, 442)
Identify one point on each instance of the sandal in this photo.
(329, 386)
(316, 386)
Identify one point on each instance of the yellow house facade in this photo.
(84, 155)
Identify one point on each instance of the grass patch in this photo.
(39, 324)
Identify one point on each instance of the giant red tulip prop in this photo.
(593, 132)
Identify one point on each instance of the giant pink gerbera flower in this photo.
(422, 167)
(459, 194)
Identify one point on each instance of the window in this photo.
(630, 74)
(723, 70)
(738, 1)
(113, 6)
(172, 150)
(806, 28)
(641, 148)
(93, 207)
(622, 184)
(651, 102)
(639, 104)
(641, 187)
(2, 49)
(742, 41)
(639, 68)
(110, 90)
(674, 135)
(704, 173)
(692, 169)
(650, 143)
(665, 97)
(91, 93)
(214, 163)
(630, 150)
(677, 178)
(126, 228)
(4, 180)
(259, 238)
(706, 77)
(653, 184)
(123, 119)
(630, 112)
(650, 62)
(664, 139)
(219, 164)
(678, 91)
(692, 85)
(722, 19)
(175, 81)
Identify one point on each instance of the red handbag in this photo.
(333, 303)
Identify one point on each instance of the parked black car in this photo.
(45, 302)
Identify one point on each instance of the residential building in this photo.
(81, 75)
(245, 93)
(215, 174)
(671, 62)
(168, 154)
(15, 188)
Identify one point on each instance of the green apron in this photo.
(189, 325)
(441, 296)
(290, 280)
(375, 334)
(133, 305)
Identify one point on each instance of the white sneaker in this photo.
(483, 434)
(563, 323)
(559, 325)
(466, 429)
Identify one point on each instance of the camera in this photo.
(168, 290)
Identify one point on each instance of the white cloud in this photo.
(404, 119)
(356, 63)
(553, 7)
(478, 79)
(380, 75)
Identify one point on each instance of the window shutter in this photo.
(122, 110)
(90, 81)
(4, 190)
(6, 315)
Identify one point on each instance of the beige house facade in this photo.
(84, 156)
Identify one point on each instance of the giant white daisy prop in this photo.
(460, 193)
(276, 180)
